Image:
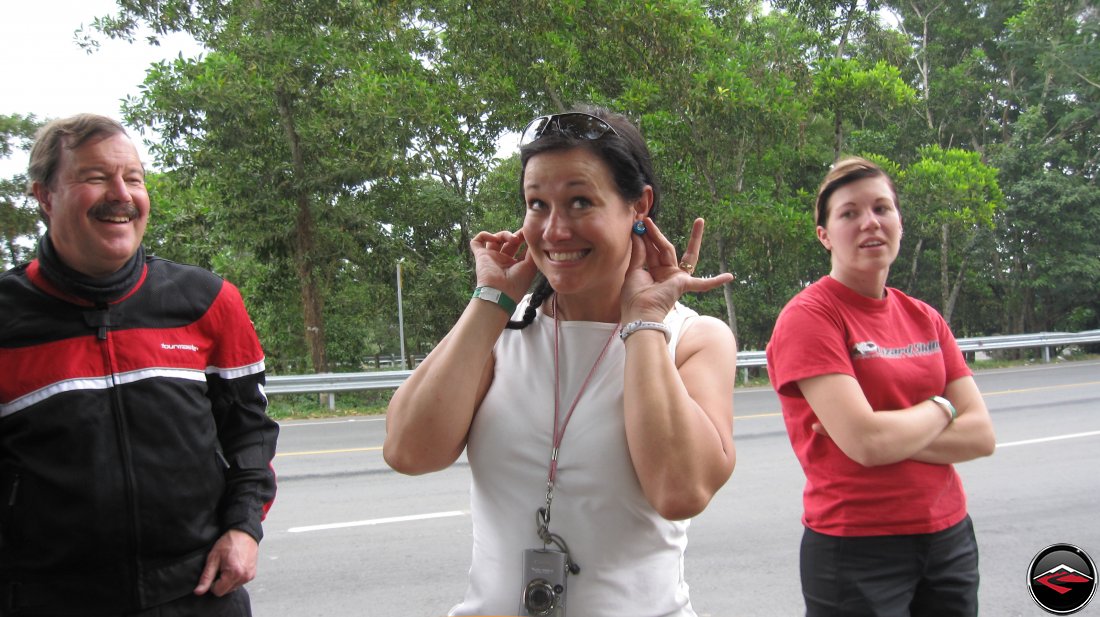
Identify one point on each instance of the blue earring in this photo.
(639, 228)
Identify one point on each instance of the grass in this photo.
(982, 365)
(312, 406)
(373, 402)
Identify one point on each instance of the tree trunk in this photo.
(312, 302)
(944, 291)
(838, 136)
(923, 62)
(838, 121)
(727, 289)
(949, 308)
(913, 267)
(849, 17)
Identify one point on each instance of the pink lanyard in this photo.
(559, 433)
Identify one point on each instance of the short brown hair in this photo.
(842, 173)
(70, 133)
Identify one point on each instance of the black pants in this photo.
(925, 575)
(235, 604)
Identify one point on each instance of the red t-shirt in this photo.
(901, 352)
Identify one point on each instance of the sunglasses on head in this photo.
(574, 125)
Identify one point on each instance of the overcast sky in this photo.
(45, 73)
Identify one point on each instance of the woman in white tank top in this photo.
(600, 420)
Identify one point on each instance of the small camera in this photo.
(544, 573)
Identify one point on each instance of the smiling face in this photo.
(863, 232)
(577, 224)
(97, 206)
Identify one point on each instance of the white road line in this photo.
(434, 515)
(1028, 442)
(378, 521)
(291, 423)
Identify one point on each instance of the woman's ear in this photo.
(643, 204)
(823, 238)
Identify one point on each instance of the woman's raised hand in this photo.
(502, 261)
(657, 278)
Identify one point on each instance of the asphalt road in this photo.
(349, 537)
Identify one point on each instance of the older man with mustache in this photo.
(135, 447)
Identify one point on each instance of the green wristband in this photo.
(496, 296)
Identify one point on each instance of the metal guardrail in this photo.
(335, 382)
(386, 380)
(1046, 340)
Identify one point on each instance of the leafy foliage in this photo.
(318, 146)
(18, 216)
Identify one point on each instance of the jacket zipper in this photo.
(102, 321)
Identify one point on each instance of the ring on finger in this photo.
(686, 267)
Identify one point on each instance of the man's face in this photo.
(98, 206)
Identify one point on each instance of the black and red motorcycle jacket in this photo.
(133, 434)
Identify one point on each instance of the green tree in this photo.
(853, 75)
(18, 212)
(949, 69)
(1046, 266)
(853, 91)
(318, 144)
(295, 111)
(950, 199)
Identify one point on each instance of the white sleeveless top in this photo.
(631, 559)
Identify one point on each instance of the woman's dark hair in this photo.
(625, 154)
(843, 173)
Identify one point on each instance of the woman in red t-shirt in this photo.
(879, 403)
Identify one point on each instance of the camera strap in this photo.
(542, 515)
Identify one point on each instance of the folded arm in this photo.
(867, 436)
(970, 436)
